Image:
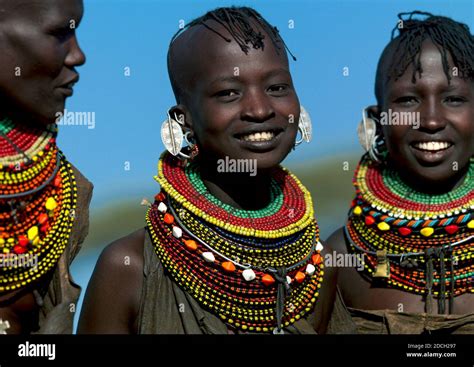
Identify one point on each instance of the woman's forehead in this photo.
(41, 9)
(203, 55)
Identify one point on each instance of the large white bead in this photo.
(310, 269)
(177, 232)
(162, 207)
(248, 275)
(208, 256)
(288, 279)
(319, 246)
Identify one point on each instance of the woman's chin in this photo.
(435, 179)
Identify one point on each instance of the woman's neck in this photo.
(240, 190)
(24, 140)
(436, 188)
(23, 123)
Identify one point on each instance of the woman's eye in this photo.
(455, 100)
(406, 101)
(62, 33)
(278, 89)
(227, 95)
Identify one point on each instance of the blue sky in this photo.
(115, 34)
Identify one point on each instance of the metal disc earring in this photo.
(305, 127)
(368, 138)
(172, 134)
(366, 130)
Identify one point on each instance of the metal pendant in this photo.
(366, 131)
(382, 269)
(277, 331)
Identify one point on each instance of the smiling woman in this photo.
(224, 251)
(413, 215)
(43, 198)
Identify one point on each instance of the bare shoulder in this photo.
(126, 251)
(337, 241)
(112, 299)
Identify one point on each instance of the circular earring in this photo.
(368, 138)
(305, 127)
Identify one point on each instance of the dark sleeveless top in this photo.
(60, 302)
(166, 309)
(346, 320)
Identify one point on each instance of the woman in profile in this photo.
(43, 198)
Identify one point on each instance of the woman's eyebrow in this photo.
(402, 87)
(235, 78)
(454, 85)
(277, 72)
(224, 79)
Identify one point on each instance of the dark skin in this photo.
(35, 35)
(447, 114)
(223, 107)
(218, 108)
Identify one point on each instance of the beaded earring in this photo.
(368, 138)
(305, 127)
(192, 145)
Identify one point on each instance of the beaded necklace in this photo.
(417, 242)
(258, 271)
(37, 204)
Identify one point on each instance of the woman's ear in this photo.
(373, 111)
(181, 114)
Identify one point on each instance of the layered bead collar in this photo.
(416, 242)
(37, 204)
(259, 271)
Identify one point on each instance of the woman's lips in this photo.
(68, 88)
(68, 92)
(259, 136)
(431, 151)
(260, 141)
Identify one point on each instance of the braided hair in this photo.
(237, 21)
(450, 37)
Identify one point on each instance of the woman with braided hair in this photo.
(412, 219)
(231, 244)
(43, 199)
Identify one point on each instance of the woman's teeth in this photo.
(262, 136)
(432, 145)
